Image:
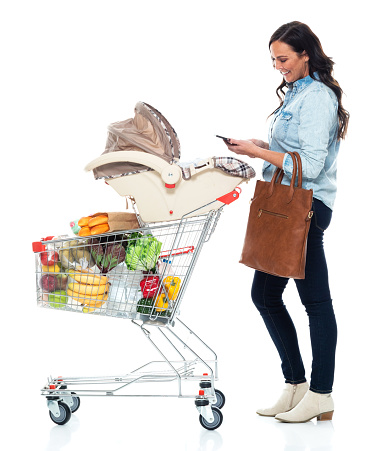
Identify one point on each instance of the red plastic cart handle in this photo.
(37, 246)
(179, 251)
(230, 197)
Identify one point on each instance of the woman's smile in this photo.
(291, 65)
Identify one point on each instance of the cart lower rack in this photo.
(63, 393)
(141, 275)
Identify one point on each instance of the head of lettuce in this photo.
(142, 252)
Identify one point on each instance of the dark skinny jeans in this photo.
(267, 291)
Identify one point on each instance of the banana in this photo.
(88, 310)
(91, 290)
(90, 279)
(91, 301)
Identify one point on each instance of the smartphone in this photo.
(226, 140)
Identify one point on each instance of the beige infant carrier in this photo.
(141, 162)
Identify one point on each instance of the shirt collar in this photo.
(301, 84)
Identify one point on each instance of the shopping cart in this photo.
(141, 275)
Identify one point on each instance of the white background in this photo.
(71, 68)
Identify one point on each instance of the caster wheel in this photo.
(65, 414)
(76, 402)
(218, 420)
(220, 399)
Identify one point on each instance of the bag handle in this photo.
(299, 169)
(279, 175)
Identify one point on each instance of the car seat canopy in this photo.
(149, 131)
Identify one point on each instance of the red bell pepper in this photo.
(150, 286)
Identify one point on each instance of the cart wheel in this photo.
(76, 403)
(218, 420)
(65, 414)
(220, 399)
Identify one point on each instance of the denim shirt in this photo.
(307, 122)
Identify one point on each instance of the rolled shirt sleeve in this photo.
(318, 116)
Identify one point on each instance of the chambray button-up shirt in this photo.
(307, 122)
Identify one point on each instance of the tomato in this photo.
(49, 258)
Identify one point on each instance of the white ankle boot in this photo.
(291, 396)
(311, 406)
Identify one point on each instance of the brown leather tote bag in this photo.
(278, 225)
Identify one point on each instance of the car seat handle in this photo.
(170, 173)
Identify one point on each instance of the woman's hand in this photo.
(252, 149)
(244, 147)
(260, 143)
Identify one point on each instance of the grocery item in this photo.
(75, 254)
(48, 282)
(75, 227)
(172, 285)
(88, 278)
(107, 255)
(61, 281)
(83, 288)
(93, 225)
(88, 310)
(145, 307)
(84, 231)
(98, 220)
(164, 267)
(54, 268)
(58, 299)
(88, 289)
(142, 252)
(99, 229)
(161, 303)
(124, 290)
(100, 223)
(84, 221)
(92, 301)
(150, 286)
(49, 258)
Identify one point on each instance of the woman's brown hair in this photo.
(300, 37)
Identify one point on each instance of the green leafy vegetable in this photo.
(108, 256)
(142, 252)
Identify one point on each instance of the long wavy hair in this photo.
(300, 37)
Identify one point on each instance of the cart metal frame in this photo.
(63, 393)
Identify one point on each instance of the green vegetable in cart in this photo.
(145, 307)
(143, 253)
(107, 256)
(58, 299)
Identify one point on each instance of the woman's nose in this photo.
(277, 65)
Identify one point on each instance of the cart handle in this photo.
(170, 173)
(37, 246)
(230, 197)
(179, 251)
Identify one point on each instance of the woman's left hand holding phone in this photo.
(242, 147)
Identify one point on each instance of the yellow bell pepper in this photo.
(172, 285)
(161, 304)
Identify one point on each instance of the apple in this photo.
(49, 258)
(58, 299)
(48, 282)
(62, 280)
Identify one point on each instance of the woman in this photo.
(311, 121)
